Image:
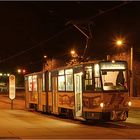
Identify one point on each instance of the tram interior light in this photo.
(96, 67)
(81, 73)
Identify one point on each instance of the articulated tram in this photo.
(89, 91)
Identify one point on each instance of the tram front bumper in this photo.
(119, 115)
(107, 116)
(92, 115)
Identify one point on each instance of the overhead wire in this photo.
(33, 47)
(100, 14)
(61, 32)
(108, 10)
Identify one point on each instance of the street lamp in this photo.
(45, 61)
(45, 56)
(120, 42)
(74, 56)
(21, 71)
(73, 53)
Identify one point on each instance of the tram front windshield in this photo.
(114, 80)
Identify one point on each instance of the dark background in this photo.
(28, 30)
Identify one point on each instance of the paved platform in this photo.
(135, 102)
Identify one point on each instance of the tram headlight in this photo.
(129, 103)
(101, 105)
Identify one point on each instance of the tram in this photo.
(89, 91)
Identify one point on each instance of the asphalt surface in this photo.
(19, 123)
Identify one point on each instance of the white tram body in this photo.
(91, 90)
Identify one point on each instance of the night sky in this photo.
(28, 30)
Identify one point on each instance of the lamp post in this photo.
(119, 43)
(44, 61)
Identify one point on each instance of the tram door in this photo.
(78, 94)
(54, 95)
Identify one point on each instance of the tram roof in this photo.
(72, 65)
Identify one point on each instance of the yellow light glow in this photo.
(119, 42)
(129, 103)
(0, 74)
(24, 71)
(45, 56)
(101, 105)
(81, 73)
(19, 70)
(72, 52)
(113, 61)
(61, 79)
(96, 67)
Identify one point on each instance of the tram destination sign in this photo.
(12, 87)
(110, 65)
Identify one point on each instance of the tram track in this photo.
(92, 123)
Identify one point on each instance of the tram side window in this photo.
(32, 83)
(61, 80)
(43, 82)
(30, 80)
(69, 79)
(88, 78)
(97, 78)
(50, 84)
